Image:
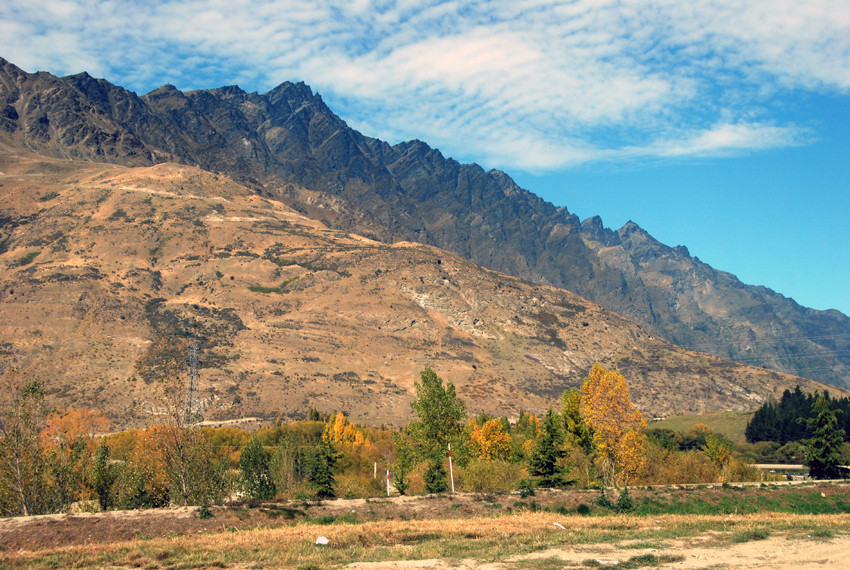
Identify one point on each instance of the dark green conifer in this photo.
(544, 460)
(824, 448)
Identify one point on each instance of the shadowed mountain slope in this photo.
(287, 144)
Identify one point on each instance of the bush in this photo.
(526, 488)
(480, 475)
(740, 471)
(604, 501)
(435, 478)
(677, 467)
(624, 502)
(359, 486)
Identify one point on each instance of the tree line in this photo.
(785, 421)
(595, 437)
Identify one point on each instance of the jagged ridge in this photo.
(288, 139)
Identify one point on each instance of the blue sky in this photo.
(723, 125)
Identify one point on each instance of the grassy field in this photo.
(730, 424)
(664, 528)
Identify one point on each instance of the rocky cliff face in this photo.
(289, 145)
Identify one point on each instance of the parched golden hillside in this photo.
(107, 271)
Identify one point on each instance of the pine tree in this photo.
(322, 468)
(549, 449)
(435, 476)
(824, 448)
(576, 430)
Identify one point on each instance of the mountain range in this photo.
(287, 146)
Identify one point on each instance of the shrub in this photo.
(27, 259)
(526, 488)
(604, 501)
(677, 467)
(740, 471)
(480, 475)
(358, 486)
(624, 502)
(435, 477)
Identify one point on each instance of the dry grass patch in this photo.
(485, 539)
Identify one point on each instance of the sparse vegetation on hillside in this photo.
(345, 318)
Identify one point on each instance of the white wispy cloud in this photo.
(529, 84)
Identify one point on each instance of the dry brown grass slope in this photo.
(106, 271)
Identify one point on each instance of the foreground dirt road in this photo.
(772, 553)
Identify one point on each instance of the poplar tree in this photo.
(617, 425)
(103, 477)
(23, 485)
(440, 414)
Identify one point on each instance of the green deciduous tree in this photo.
(440, 414)
(254, 475)
(23, 482)
(440, 421)
(103, 477)
(405, 461)
(288, 463)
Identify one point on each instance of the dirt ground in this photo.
(776, 551)
(772, 553)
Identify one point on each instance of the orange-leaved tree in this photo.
(617, 425)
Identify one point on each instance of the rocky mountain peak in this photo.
(594, 230)
(682, 251)
(630, 228)
(293, 96)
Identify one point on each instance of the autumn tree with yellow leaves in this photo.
(617, 426)
(490, 441)
(340, 430)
